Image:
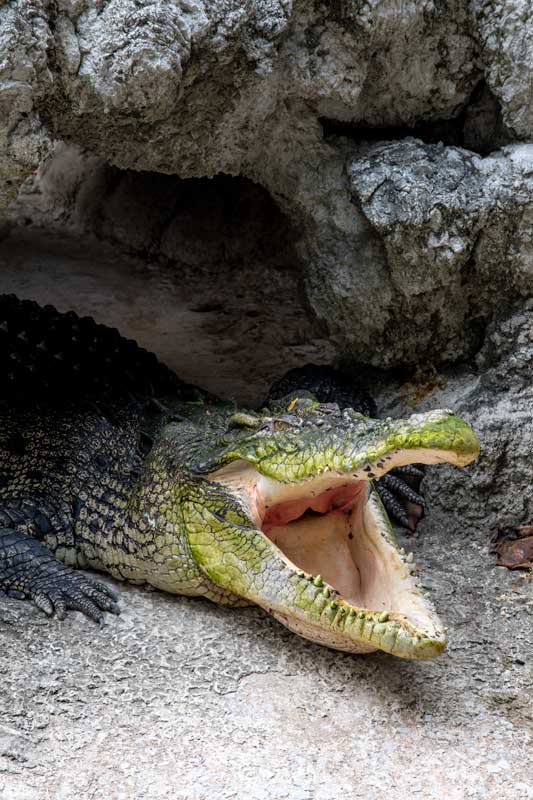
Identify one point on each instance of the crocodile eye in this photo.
(286, 423)
(281, 425)
(277, 424)
(329, 408)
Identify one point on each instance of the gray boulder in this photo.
(495, 395)
(25, 79)
(405, 248)
(455, 230)
(505, 34)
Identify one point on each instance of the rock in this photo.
(505, 32)
(456, 234)
(406, 246)
(496, 397)
(175, 87)
(25, 78)
(191, 87)
(483, 130)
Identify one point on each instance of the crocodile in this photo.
(109, 462)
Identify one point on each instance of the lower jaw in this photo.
(338, 616)
(391, 639)
(323, 636)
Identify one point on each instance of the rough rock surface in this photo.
(442, 236)
(457, 236)
(209, 75)
(505, 33)
(495, 394)
(197, 88)
(25, 77)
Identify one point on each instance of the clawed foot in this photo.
(29, 571)
(400, 494)
(61, 591)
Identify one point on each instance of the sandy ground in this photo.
(178, 699)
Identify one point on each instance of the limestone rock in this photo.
(189, 87)
(496, 396)
(456, 234)
(505, 31)
(406, 248)
(25, 77)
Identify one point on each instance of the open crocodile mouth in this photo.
(336, 530)
(331, 533)
(334, 533)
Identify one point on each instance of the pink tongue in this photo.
(339, 500)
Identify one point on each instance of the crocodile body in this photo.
(108, 461)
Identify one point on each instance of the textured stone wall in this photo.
(418, 241)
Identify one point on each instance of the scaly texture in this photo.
(72, 479)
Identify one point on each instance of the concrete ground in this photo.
(178, 699)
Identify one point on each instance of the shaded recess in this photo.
(201, 271)
(196, 221)
(477, 126)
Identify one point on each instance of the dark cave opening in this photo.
(202, 271)
(477, 126)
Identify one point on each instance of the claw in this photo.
(105, 589)
(60, 608)
(27, 569)
(400, 496)
(401, 488)
(393, 506)
(44, 603)
(410, 470)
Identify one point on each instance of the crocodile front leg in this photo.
(399, 490)
(29, 570)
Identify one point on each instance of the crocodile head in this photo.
(280, 510)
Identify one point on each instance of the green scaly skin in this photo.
(180, 520)
(177, 529)
(216, 528)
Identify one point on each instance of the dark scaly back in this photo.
(327, 384)
(47, 355)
